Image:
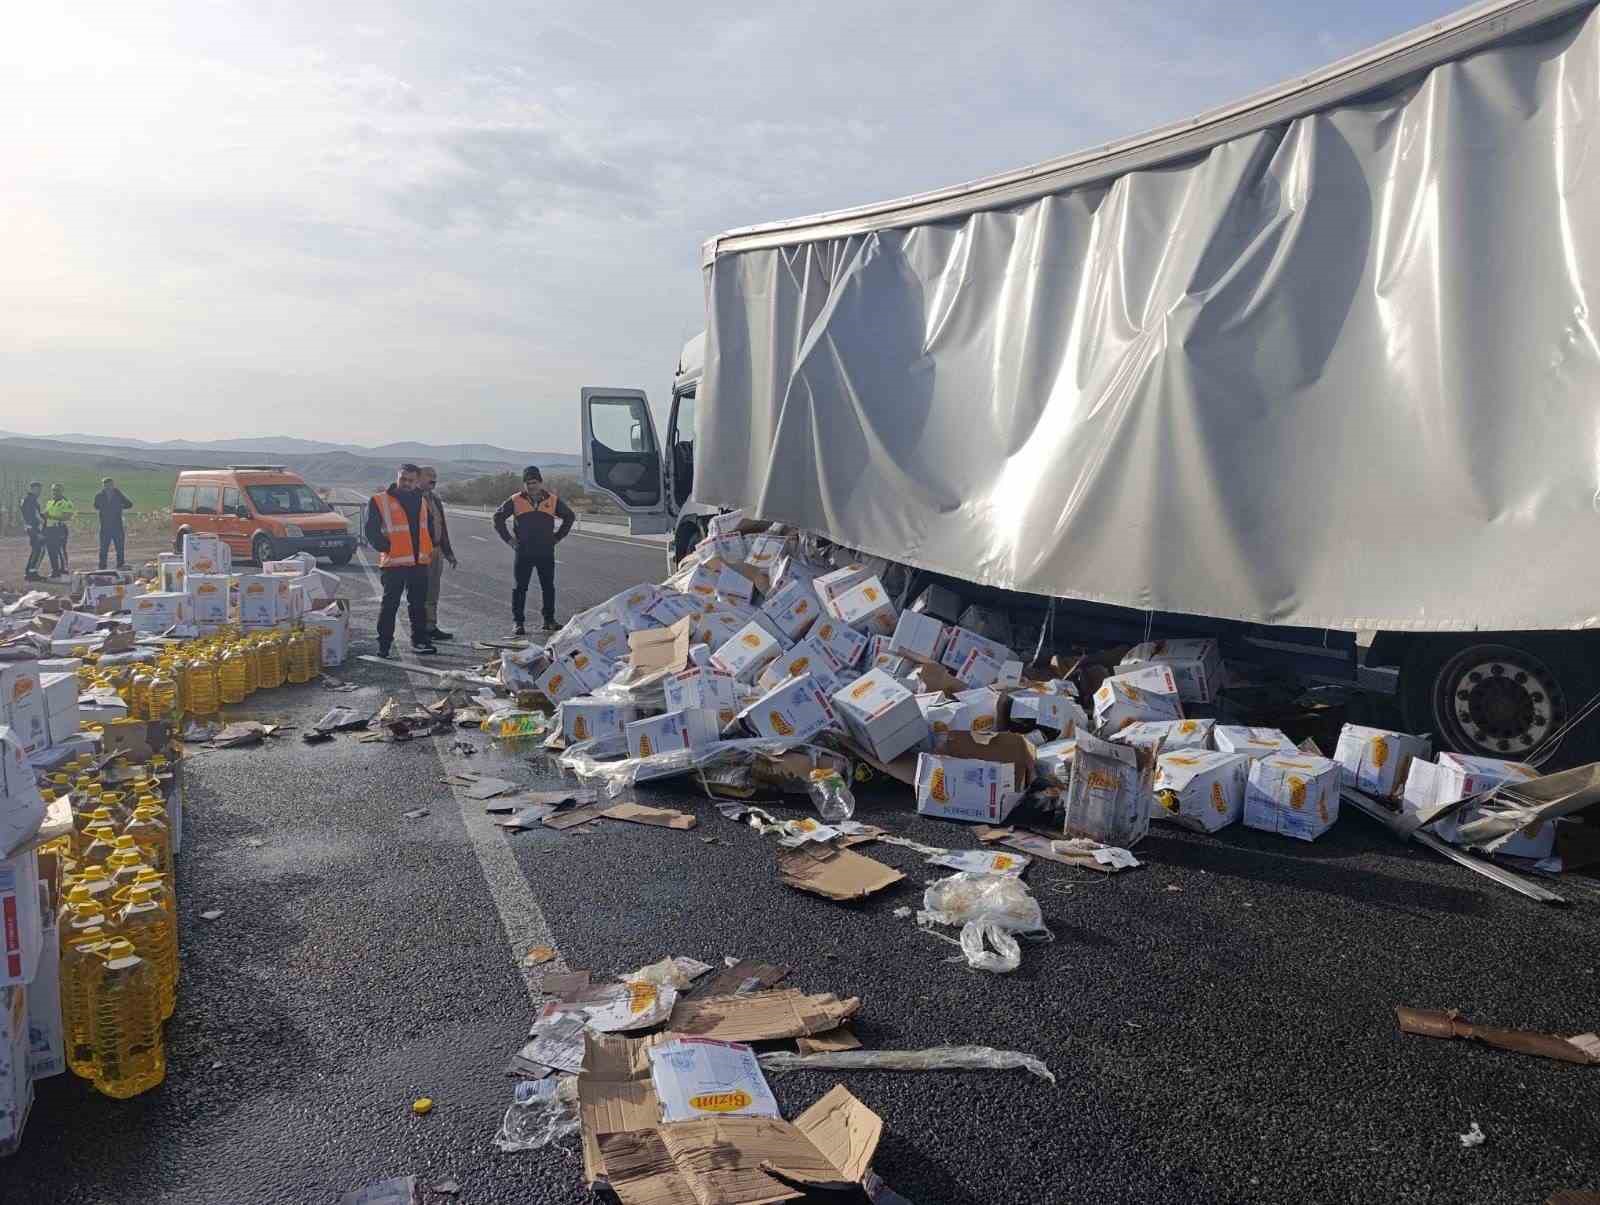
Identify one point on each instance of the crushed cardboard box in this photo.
(761, 1016)
(835, 874)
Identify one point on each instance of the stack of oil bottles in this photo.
(118, 925)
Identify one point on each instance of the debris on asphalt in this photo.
(702, 1077)
(542, 1111)
(416, 813)
(211, 914)
(761, 1016)
(1473, 1137)
(740, 974)
(835, 874)
(538, 955)
(936, 1058)
(402, 1190)
(1448, 1023)
(678, 973)
(421, 1106)
(532, 816)
(446, 1188)
(637, 813)
(841, 1038)
(565, 986)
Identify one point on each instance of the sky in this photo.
(366, 221)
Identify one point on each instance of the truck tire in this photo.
(1501, 695)
(689, 533)
(261, 549)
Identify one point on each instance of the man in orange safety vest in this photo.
(400, 527)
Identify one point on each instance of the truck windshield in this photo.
(285, 500)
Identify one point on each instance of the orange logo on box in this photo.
(641, 996)
(1179, 759)
(579, 661)
(1133, 693)
(1217, 801)
(22, 689)
(255, 588)
(861, 690)
(936, 787)
(645, 748)
(869, 594)
(801, 607)
(825, 631)
(206, 588)
(1187, 727)
(798, 665)
(1322, 808)
(1004, 862)
(983, 723)
(580, 728)
(750, 640)
(780, 725)
(1380, 752)
(1297, 793)
(555, 683)
(720, 1102)
(1101, 780)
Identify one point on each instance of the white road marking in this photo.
(524, 924)
(481, 539)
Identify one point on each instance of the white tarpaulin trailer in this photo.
(1325, 357)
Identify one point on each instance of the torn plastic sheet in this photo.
(542, 1111)
(589, 760)
(678, 973)
(988, 947)
(999, 899)
(935, 1058)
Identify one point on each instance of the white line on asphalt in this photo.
(525, 925)
(482, 539)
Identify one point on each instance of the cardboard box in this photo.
(47, 1048)
(585, 719)
(558, 683)
(60, 705)
(686, 729)
(981, 710)
(939, 603)
(171, 573)
(1376, 760)
(1150, 693)
(74, 625)
(881, 715)
(203, 554)
(105, 598)
(880, 655)
(830, 587)
(299, 563)
(155, 613)
(703, 687)
(21, 925)
(335, 625)
(1294, 795)
(866, 607)
(749, 652)
(584, 666)
(702, 583)
(728, 548)
(766, 550)
(980, 669)
(263, 598)
(1196, 664)
(846, 645)
(973, 789)
(726, 523)
(1460, 776)
(920, 636)
(796, 710)
(703, 1077)
(807, 657)
(734, 586)
(653, 650)
(22, 709)
(1200, 789)
(668, 610)
(320, 586)
(302, 598)
(1059, 713)
(716, 627)
(1054, 761)
(1173, 734)
(1111, 792)
(210, 592)
(962, 644)
(1252, 742)
(16, 1083)
(792, 611)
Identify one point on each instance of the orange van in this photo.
(264, 512)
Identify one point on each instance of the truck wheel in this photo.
(261, 549)
(690, 532)
(1500, 696)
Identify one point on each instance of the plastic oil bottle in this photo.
(149, 926)
(203, 688)
(100, 843)
(161, 699)
(252, 670)
(231, 674)
(125, 1022)
(269, 662)
(124, 865)
(85, 931)
(149, 830)
(302, 649)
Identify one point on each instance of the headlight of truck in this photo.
(292, 530)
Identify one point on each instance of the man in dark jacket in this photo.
(111, 502)
(33, 521)
(442, 552)
(534, 512)
(401, 529)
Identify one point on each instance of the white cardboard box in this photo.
(1294, 795)
(704, 687)
(586, 719)
(1149, 693)
(588, 669)
(210, 592)
(702, 583)
(204, 553)
(609, 641)
(1060, 713)
(843, 642)
(47, 1049)
(1200, 788)
(980, 669)
(171, 573)
(263, 598)
(22, 708)
(666, 611)
(795, 710)
(963, 642)
(698, 1078)
(1173, 734)
(1111, 792)
(21, 925)
(881, 714)
(982, 710)
(727, 547)
(1376, 760)
(320, 586)
(748, 652)
(60, 705)
(735, 586)
(686, 729)
(335, 625)
(919, 636)
(155, 613)
(765, 550)
(830, 587)
(792, 610)
(1054, 761)
(1196, 664)
(1252, 742)
(1458, 776)
(294, 566)
(866, 607)
(718, 626)
(808, 657)
(957, 788)
(558, 683)
(16, 1083)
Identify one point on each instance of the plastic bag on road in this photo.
(935, 1058)
(542, 1111)
(587, 761)
(1002, 900)
(988, 947)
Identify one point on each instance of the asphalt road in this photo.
(1220, 1021)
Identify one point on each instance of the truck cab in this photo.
(653, 482)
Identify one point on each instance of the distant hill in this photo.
(286, 445)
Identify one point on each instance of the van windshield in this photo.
(285, 500)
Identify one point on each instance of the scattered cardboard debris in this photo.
(581, 815)
(416, 813)
(538, 955)
(1448, 1023)
(487, 788)
(638, 813)
(1474, 1136)
(842, 1038)
(732, 978)
(835, 874)
(761, 1016)
(565, 987)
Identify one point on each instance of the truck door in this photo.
(622, 457)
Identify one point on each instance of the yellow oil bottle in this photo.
(158, 886)
(124, 866)
(125, 1022)
(150, 928)
(117, 804)
(202, 687)
(139, 696)
(252, 671)
(100, 844)
(80, 966)
(303, 656)
(269, 662)
(231, 675)
(149, 830)
(92, 877)
(161, 700)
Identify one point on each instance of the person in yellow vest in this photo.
(534, 513)
(400, 527)
(58, 512)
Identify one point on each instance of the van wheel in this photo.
(261, 549)
(1501, 697)
(340, 558)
